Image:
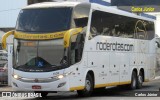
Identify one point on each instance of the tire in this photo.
(133, 84)
(43, 93)
(140, 80)
(89, 86)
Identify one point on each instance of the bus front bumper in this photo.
(58, 85)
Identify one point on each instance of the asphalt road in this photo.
(120, 93)
(112, 93)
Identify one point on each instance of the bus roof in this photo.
(52, 4)
(93, 6)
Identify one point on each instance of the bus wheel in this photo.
(140, 80)
(89, 85)
(133, 84)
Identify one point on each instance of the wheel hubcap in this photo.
(140, 79)
(88, 85)
(134, 82)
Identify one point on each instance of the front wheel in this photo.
(89, 85)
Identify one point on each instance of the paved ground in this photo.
(112, 93)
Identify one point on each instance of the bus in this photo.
(75, 46)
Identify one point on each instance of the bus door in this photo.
(114, 70)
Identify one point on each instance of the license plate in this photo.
(36, 87)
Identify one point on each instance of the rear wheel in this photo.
(89, 85)
(140, 80)
(133, 84)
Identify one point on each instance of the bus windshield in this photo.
(44, 19)
(38, 56)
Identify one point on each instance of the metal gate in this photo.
(3, 74)
(3, 67)
(6, 66)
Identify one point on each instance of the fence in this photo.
(3, 73)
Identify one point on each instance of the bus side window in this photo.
(94, 31)
(105, 30)
(77, 44)
(79, 47)
(109, 24)
(96, 24)
(72, 48)
(81, 22)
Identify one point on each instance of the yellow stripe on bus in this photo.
(47, 36)
(77, 88)
(42, 36)
(101, 85)
(68, 35)
(4, 39)
(111, 84)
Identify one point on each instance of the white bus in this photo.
(72, 46)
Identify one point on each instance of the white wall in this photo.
(9, 10)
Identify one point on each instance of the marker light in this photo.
(61, 84)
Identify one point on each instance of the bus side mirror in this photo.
(68, 35)
(4, 39)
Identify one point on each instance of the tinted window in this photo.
(109, 24)
(80, 15)
(44, 19)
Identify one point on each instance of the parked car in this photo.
(3, 55)
(4, 73)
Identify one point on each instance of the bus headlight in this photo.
(16, 76)
(63, 75)
(60, 76)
